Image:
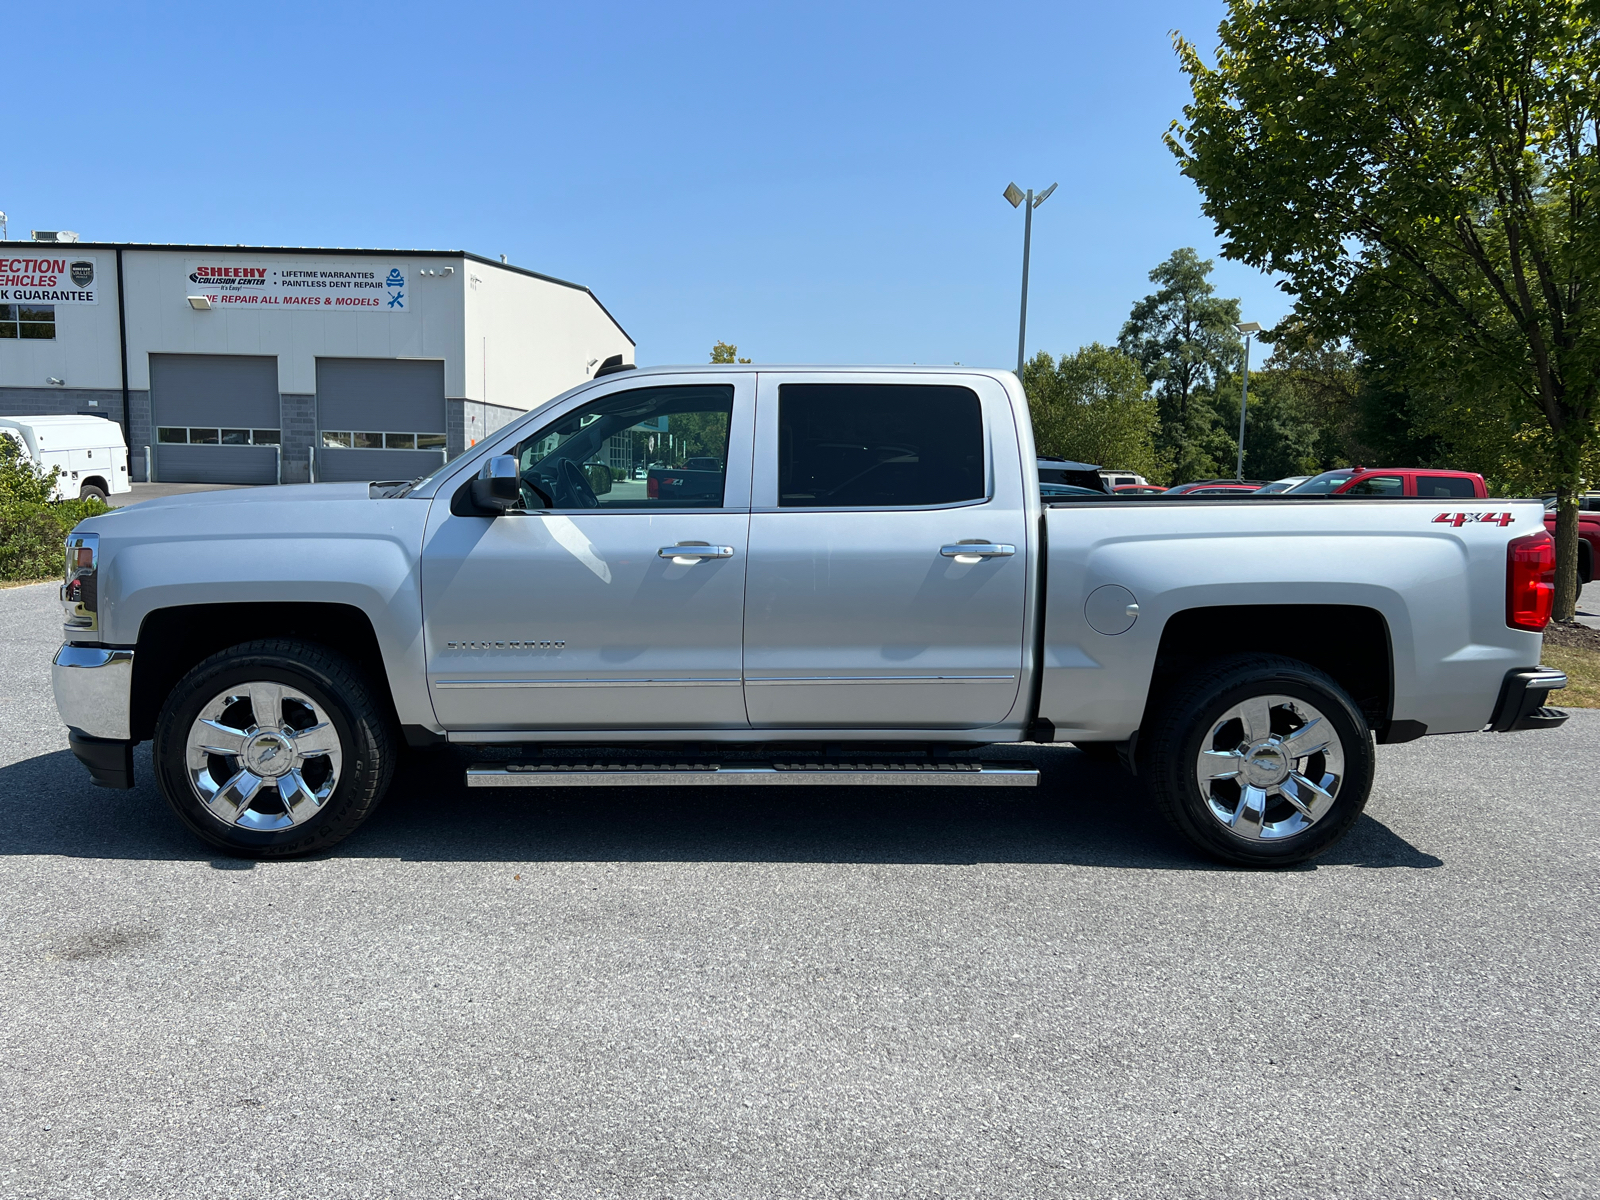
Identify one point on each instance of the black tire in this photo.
(90, 489)
(1170, 747)
(367, 741)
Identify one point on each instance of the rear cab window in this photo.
(1446, 487)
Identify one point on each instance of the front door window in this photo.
(651, 448)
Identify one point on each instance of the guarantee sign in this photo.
(35, 280)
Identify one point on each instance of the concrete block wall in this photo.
(54, 401)
(140, 433)
(299, 417)
(470, 421)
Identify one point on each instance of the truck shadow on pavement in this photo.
(1082, 813)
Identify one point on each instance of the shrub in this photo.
(32, 526)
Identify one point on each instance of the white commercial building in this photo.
(238, 364)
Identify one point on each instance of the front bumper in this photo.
(94, 686)
(1522, 697)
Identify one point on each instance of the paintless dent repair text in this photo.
(307, 285)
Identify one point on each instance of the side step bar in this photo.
(753, 774)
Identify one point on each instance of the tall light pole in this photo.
(1247, 328)
(1017, 196)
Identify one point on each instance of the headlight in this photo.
(80, 595)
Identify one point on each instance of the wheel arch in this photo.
(173, 640)
(1351, 643)
(94, 481)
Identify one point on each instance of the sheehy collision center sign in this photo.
(35, 280)
(347, 284)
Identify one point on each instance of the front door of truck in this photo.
(888, 554)
(617, 604)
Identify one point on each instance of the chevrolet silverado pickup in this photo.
(870, 592)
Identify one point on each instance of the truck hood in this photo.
(302, 508)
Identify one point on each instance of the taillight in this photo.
(1530, 580)
(653, 488)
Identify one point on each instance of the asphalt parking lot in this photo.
(846, 993)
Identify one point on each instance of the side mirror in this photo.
(497, 486)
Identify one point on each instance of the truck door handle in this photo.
(690, 551)
(973, 551)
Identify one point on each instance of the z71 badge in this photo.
(1460, 519)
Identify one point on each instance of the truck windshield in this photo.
(1320, 485)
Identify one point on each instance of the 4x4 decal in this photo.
(1460, 519)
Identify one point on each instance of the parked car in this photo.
(1117, 480)
(1139, 489)
(1065, 491)
(1076, 474)
(1394, 482)
(876, 574)
(697, 483)
(1216, 487)
(88, 451)
(1588, 532)
(1281, 485)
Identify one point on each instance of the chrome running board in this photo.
(753, 774)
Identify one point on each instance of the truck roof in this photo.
(65, 431)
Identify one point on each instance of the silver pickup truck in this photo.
(872, 593)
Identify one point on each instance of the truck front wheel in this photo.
(273, 749)
(1259, 760)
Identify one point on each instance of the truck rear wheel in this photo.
(1259, 760)
(273, 749)
(92, 491)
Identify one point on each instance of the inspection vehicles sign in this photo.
(347, 283)
(31, 279)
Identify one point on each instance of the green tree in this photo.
(1094, 406)
(724, 352)
(1182, 336)
(20, 480)
(32, 526)
(1424, 172)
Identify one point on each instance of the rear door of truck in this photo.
(862, 611)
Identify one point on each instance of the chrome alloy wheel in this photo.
(1270, 768)
(263, 756)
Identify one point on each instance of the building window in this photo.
(333, 439)
(179, 435)
(28, 321)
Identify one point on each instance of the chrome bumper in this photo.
(93, 685)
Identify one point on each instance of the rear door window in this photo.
(870, 445)
(1377, 485)
(1446, 486)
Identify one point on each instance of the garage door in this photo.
(378, 418)
(216, 418)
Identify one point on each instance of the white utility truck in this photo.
(88, 452)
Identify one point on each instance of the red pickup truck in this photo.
(1588, 532)
(1394, 481)
(1450, 485)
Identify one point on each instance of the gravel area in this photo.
(841, 993)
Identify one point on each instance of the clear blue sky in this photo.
(815, 182)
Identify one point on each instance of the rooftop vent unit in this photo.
(54, 235)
